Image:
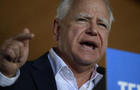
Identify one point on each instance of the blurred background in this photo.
(38, 16)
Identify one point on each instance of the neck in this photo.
(81, 73)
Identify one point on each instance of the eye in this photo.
(103, 25)
(82, 19)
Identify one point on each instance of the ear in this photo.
(56, 29)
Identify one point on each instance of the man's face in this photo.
(83, 33)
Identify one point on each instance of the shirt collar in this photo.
(57, 64)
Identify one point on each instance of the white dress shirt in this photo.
(64, 77)
(6, 81)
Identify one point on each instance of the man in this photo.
(81, 30)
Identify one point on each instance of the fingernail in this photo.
(26, 30)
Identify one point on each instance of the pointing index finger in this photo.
(26, 35)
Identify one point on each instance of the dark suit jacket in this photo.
(38, 75)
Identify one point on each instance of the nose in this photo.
(92, 30)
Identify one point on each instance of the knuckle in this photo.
(9, 54)
(16, 44)
(9, 51)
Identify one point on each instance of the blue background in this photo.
(122, 66)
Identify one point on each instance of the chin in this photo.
(86, 61)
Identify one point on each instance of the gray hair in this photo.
(110, 13)
(64, 7)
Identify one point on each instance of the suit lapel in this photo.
(101, 85)
(43, 75)
(44, 78)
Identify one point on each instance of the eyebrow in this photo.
(83, 15)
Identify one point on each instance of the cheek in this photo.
(104, 39)
(77, 29)
(62, 40)
(67, 38)
(104, 42)
(75, 32)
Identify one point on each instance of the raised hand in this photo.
(14, 53)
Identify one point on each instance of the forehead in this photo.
(90, 8)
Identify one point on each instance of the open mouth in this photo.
(89, 44)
